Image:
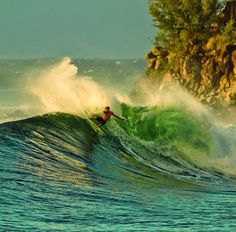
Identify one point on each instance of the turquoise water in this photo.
(163, 169)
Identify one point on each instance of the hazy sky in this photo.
(77, 28)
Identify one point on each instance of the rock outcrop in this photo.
(206, 69)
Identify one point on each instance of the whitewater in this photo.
(170, 166)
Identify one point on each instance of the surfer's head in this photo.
(107, 108)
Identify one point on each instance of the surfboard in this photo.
(95, 128)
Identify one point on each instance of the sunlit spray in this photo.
(60, 89)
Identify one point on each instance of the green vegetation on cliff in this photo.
(179, 21)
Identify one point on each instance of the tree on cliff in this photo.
(180, 21)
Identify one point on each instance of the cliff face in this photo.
(206, 69)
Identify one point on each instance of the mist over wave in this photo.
(59, 89)
(24, 84)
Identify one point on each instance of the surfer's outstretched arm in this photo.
(118, 117)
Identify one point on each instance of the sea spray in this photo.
(60, 89)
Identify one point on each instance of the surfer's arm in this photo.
(117, 117)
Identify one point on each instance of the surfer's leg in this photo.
(101, 123)
(99, 119)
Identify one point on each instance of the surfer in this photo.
(107, 113)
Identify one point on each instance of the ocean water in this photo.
(170, 166)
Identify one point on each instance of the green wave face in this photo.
(170, 126)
